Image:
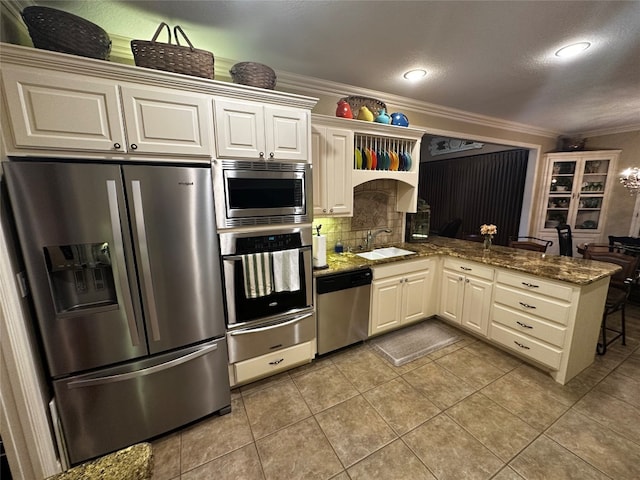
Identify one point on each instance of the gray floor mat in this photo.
(410, 343)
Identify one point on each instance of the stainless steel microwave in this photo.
(261, 193)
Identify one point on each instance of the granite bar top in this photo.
(132, 463)
(577, 271)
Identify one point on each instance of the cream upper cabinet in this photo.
(331, 152)
(73, 113)
(249, 130)
(576, 191)
(161, 121)
(466, 292)
(401, 293)
(62, 112)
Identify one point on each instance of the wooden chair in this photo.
(618, 293)
(565, 241)
(530, 243)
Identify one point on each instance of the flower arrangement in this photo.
(488, 231)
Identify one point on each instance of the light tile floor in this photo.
(468, 411)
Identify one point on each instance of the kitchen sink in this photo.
(387, 252)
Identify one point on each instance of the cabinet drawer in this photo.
(469, 268)
(532, 304)
(529, 325)
(535, 285)
(273, 362)
(526, 345)
(400, 268)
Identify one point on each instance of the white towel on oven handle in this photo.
(286, 270)
(258, 274)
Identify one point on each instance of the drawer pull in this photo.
(521, 345)
(530, 285)
(526, 305)
(523, 324)
(276, 362)
(466, 269)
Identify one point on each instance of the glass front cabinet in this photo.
(576, 190)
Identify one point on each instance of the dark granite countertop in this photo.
(577, 271)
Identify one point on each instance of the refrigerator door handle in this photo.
(121, 377)
(123, 290)
(144, 259)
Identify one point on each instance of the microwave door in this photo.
(177, 254)
(74, 235)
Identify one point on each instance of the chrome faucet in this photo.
(369, 241)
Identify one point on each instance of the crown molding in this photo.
(611, 131)
(317, 85)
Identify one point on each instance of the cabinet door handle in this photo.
(276, 362)
(521, 345)
(134, 146)
(117, 146)
(466, 269)
(524, 325)
(526, 305)
(530, 285)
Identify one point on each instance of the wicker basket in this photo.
(254, 75)
(172, 58)
(356, 101)
(59, 31)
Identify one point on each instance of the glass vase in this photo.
(487, 242)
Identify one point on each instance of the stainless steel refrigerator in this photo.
(124, 268)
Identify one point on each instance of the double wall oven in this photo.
(264, 225)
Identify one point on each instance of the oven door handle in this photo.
(269, 327)
(235, 258)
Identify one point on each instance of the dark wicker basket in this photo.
(59, 31)
(356, 101)
(172, 58)
(254, 75)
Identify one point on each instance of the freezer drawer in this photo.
(116, 407)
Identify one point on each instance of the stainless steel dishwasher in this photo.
(342, 309)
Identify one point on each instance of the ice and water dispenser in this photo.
(80, 276)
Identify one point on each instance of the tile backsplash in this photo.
(374, 206)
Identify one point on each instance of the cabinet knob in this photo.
(331, 210)
(271, 155)
(460, 279)
(467, 280)
(117, 146)
(324, 210)
(261, 154)
(134, 146)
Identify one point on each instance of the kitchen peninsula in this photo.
(546, 309)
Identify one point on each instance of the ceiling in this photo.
(488, 58)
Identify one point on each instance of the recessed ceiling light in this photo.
(414, 75)
(573, 49)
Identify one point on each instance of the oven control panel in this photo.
(268, 243)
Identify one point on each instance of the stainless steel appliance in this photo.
(123, 263)
(343, 309)
(261, 193)
(266, 323)
(417, 229)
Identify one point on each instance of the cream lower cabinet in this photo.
(465, 297)
(401, 293)
(251, 130)
(72, 113)
(553, 324)
(331, 152)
